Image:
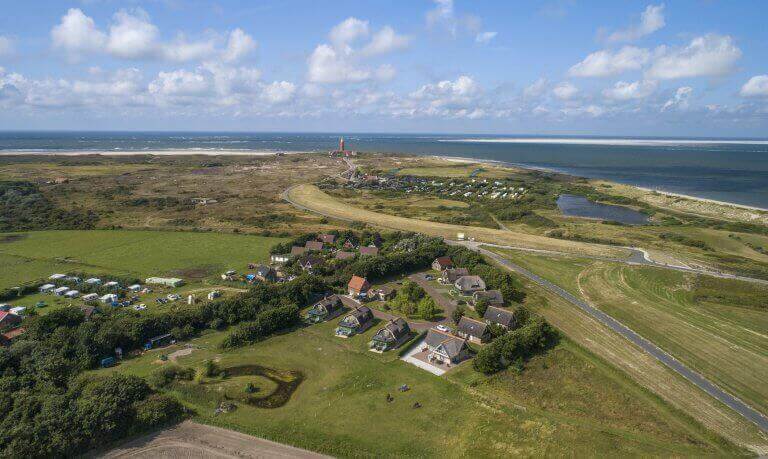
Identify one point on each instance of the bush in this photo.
(515, 347)
(164, 376)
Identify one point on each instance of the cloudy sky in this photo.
(697, 67)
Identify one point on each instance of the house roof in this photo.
(444, 262)
(311, 260)
(369, 250)
(327, 238)
(264, 270)
(493, 296)
(386, 289)
(297, 250)
(11, 334)
(358, 283)
(331, 303)
(342, 255)
(314, 245)
(500, 316)
(363, 314)
(452, 344)
(348, 244)
(472, 327)
(9, 317)
(470, 282)
(454, 273)
(399, 327)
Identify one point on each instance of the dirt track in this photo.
(192, 440)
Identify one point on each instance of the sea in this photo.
(729, 170)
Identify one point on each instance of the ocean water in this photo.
(721, 169)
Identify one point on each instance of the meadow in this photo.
(583, 407)
(141, 253)
(716, 326)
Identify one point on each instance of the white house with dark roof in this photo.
(468, 285)
(444, 347)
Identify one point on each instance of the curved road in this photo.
(700, 381)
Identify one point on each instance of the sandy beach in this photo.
(190, 152)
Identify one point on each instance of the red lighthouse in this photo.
(341, 143)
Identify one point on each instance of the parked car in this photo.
(443, 328)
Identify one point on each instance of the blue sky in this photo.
(688, 68)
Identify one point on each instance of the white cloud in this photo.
(565, 91)
(651, 20)
(239, 45)
(680, 100)
(348, 31)
(180, 83)
(535, 89)
(77, 34)
(605, 63)
(485, 37)
(708, 55)
(623, 90)
(442, 14)
(757, 86)
(327, 65)
(279, 92)
(340, 62)
(132, 36)
(385, 41)
(6, 46)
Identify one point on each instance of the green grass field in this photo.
(140, 253)
(717, 326)
(565, 404)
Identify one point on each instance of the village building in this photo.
(392, 336)
(166, 281)
(445, 348)
(498, 316)
(93, 281)
(57, 276)
(449, 276)
(311, 262)
(8, 337)
(348, 245)
(112, 284)
(46, 288)
(386, 293)
(60, 291)
(467, 285)
(442, 263)
(134, 288)
(9, 320)
(358, 286)
(358, 320)
(266, 273)
(109, 298)
(18, 310)
(213, 294)
(297, 251)
(370, 250)
(279, 258)
(314, 246)
(72, 294)
(492, 297)
(90, 297)
(473, 330)
(326, 238)
(343, 255)
(325, 309)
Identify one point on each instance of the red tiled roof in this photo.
(357, 283)
(445, 262)
(369, 250)
(11, 334)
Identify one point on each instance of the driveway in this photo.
(444, 302)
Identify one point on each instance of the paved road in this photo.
(704, 384)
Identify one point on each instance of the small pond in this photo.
(579, 206)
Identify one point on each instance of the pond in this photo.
(579, 206)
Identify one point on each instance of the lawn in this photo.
(340, 407)
(140, 253)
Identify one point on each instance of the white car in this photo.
(443, 328)
(140, 307)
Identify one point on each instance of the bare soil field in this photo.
(192, 440)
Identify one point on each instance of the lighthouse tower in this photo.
(341, 144)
